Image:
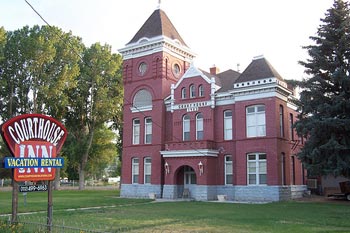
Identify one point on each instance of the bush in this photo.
(7, 227)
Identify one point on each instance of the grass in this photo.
(140, 215)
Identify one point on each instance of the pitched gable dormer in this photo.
(195, 86)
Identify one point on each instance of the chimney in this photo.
(214, 70)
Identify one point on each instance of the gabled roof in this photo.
(227, 79)
(158, 24)
(210, 76)
(193, 71)
(259, 68)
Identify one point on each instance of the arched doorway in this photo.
(186, 181)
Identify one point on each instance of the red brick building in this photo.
(191, 133)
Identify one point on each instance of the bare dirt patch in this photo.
(318, 198)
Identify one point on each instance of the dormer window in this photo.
(192, 91)
(177, 41)
(143, 40)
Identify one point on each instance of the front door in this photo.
(190, 180)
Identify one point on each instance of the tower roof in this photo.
(158, 24)
(259, 68)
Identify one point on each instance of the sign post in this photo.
(34, 141)
(49, 207)
(14, 201)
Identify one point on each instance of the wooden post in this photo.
(49, 207)
(14, 201)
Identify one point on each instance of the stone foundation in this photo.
(237, 193)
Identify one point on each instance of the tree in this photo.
(2, 46)
(94, 102)
(324, 118)
(103, 151)
(4, 173)
(4, 152)
(39, 69)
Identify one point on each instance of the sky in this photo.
(223, 33)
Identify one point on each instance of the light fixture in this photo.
(167, 168)
(200, 168)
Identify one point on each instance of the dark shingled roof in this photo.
(157, 24)
(258, 69)
(209, 75)
(228, 78)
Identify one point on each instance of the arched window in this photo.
(281, 121)
(291, 127)
(186, 128)
(142, 100)
(183, 93)
(200, 91)
(136, 131)
(199, 126)
(228, 125)
(192, 91)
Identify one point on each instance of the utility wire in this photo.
(129, 102)
(60, 36)
(37, 13)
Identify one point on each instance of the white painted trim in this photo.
(190, 153)
(292, 106)
(255, 96)
(192, 71)
(191, 105)
(156, 44)
(141, 109)
(223, 102)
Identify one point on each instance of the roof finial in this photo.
(159, 3)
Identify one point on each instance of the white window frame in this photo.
(142, 100)
(183, 93)
(147, 170)
(186, 127)
(257, 168)
(281, 116)
(135, 170)
(199, 127)
(228, 132)
(291, 127)
(200, 91)
(192, 91)
(189, 176)
(228, 169)
(256, 121)
(136, 131)
(148, 130)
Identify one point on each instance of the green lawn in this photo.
(138, 215)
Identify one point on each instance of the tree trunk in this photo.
(81, 178)
(84, 160)
(57, 182)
